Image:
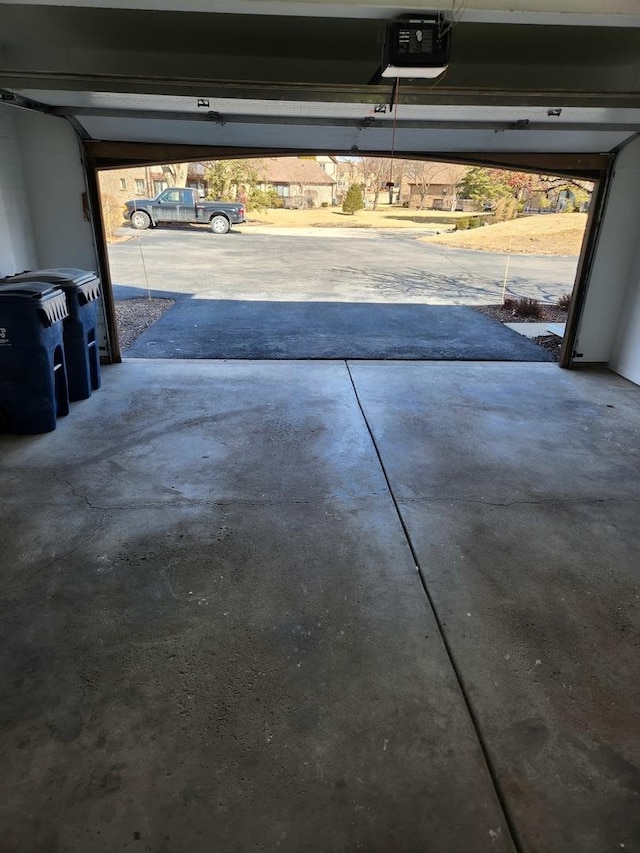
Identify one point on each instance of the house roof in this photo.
(292, 170)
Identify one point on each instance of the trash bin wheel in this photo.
(140, 220)
(219, 224)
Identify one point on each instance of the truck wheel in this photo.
(140, 220)
(219, 224)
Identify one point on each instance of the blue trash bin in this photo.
(33, 375)
(82, 289)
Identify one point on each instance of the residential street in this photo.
(333, 265)
(327, 293)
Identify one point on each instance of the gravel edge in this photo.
(134, 316)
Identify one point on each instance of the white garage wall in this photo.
(626, 357)
(606, 330)
(55, 183)
(17, 248)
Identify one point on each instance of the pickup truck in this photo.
(181, 204)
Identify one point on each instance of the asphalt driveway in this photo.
(327, 293)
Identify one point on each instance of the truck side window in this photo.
(172, 196)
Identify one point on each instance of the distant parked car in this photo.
(181, 204)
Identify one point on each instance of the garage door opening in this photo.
(342, 257)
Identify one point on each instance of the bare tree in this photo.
(175, 174)
(375, 173)
(422, 174)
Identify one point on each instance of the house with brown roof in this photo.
(433, 185)
(299, 182)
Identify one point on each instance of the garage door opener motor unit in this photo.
(417, 47)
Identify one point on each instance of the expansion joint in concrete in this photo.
(473, 717)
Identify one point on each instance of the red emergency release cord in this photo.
(393, 135)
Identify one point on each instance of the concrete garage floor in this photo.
(215, 638)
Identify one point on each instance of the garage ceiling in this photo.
(540, 79)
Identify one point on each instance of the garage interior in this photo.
(373, 606)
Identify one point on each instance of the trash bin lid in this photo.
(27, 289)
(43, 295)
(61, 276)
(84, 282)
